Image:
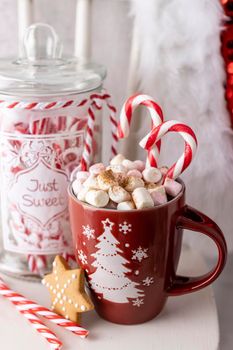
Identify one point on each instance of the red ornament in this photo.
(228, 7)
(227, 52)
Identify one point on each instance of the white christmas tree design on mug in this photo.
(110, 278)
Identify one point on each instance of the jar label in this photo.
(34, 179)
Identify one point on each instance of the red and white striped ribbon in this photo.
(36, 323)
(42, 105)
(25, 305)
(89, 139)
(189, 137)
(156, 115)
(97, 104)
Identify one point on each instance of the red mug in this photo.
(131, 257)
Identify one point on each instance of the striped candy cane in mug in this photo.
(156, 115)
(151, 139)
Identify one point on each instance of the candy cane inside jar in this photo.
(44, 112)
(150, 140)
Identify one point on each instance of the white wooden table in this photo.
(187, 323)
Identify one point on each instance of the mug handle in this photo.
(191, 219)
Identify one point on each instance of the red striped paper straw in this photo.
(39, 326)
(36, 323)
(25, 305)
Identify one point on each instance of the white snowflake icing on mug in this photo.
(148, 281)
(125, 227)
(112, 282)
(140, 254)
(88, 232)
(82, 257)
(138, 302)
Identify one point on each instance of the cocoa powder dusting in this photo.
(107, 175)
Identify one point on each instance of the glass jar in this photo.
(44, 102)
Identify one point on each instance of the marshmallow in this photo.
(129, 205)
(82, 180)
(164, 170)
(140, 165)
(151, 175)
(142, 198)
(118, 159)
(106, 180)
(118, 194)
(91, 182)
(150, 186)
(158, 195)
(81, 195)
(172, 187)
(77, 186)
(135, 173)
(97, 168)
(121, 179)
(129, 164)
(97, 198)
(82, 175)
(124, 185)
(133, 182)
(117, 168)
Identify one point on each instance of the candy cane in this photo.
(189, 137)
(25, 305)
(37, 263)
(36, 323)
(156, 115)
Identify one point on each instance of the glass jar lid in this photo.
(44, 71)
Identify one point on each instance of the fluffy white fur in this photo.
(181, 66)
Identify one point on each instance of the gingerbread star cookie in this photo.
(66, 288)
